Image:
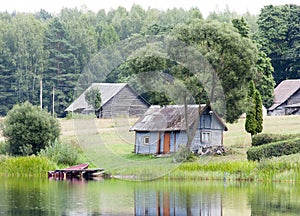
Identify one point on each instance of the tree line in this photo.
(55, 48)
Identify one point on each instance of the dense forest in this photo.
(53, 49)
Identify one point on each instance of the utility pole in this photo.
(41, 93)
(53, 97)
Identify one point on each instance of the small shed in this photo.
(286, 98)
(162, 130)
(117, 99)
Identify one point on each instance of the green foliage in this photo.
(221, 43)
(93, 98)
(254, 115)
(263, 70)
(285, 147)
(264, 79)
(279, 35)
(62, 154)
(26, 166)
(227, 16)
(28, 129)
(258, 112)
(184, 154)
(250, 124)
(4, 148)
(241, 26)
(262, 139)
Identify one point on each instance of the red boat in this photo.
(77, 171)
(73, 170)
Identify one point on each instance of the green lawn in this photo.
(109, 144)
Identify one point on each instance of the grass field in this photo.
(109, 144)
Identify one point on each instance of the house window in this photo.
(205, 137)
(146, 140)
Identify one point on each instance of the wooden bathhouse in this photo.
(117, 99)
(162, 130)
(286, 98)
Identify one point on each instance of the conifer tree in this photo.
(259, 113)
(250, 124)
(254, 118)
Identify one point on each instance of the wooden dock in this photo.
(78, 171)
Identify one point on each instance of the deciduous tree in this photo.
(28, 129)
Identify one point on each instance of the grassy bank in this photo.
(26, 166)
(108, 143)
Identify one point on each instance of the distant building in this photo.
(286, 98)
(162, 129)
(117, 99)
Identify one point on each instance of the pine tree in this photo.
(250, 124)
(258, 110)
(62, 71)
(254, 118)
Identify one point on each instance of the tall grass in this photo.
(236, 170)
(62, 153)
(26, 166)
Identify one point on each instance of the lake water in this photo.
(36, 196)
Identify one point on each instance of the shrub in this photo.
(3, 147)
(28, 129)
(285, 147)
(261, 139)
(59, 153)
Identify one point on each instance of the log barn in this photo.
(117, 100)
(286, 98)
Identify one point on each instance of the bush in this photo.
(261, 139)
(3, 147)
(285, 147)
(64, 154)
(28, 129)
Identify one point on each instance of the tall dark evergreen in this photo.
(279, 34)
(254, 115)
(258, 112)
(62, 69)
(8, 95)
(263, 77)
(250, 124)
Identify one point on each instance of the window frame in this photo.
(203, 137)
(146, 138)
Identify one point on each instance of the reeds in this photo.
(26, 166)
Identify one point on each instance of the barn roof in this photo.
(284, 91)
(169, 118)
(108, 90)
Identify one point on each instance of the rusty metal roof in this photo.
(284, 91)
(167, 118)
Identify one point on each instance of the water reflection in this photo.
(29, 196)
(176, 202)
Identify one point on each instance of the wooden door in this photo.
(166, 142)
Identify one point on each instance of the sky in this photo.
(54, 6)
